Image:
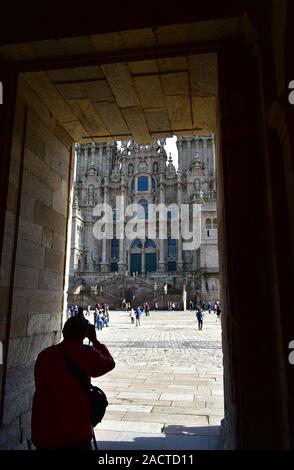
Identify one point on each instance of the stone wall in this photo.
(33, 259)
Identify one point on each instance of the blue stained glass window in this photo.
(137, 244)
(143, 183)
(171, 266)
(113, 267)
(149, 244)
(114, 248)
(171, 248)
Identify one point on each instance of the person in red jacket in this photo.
(61, 415)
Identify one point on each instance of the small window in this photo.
(114, 248)
(208, 233)
(208, 224)
(130, 169)
(214, 223)
(153, 185)
(155, 168)
(114, 214)
(114, 267)
(171, 266)
(171, 248)
(143, 183)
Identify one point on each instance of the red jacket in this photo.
(61, 411)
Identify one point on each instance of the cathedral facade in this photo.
(144, 175)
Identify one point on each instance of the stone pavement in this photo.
(166, 391)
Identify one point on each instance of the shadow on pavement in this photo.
(172, 438)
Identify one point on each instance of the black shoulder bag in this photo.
(97, 398)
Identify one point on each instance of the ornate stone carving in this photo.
(115, 174)
(170, 170)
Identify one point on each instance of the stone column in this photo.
(143, 258)
(104, 263)
(122, 243)
(92, 158)
(180, 152)
(212, 157)
(189, 156)
(197, 146)
(129, 262)
(79, 162)
(108, 166)
(205, 154)
(85, 166)
(162, 244)
(100, 159)
(179, 241)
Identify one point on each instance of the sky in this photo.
(171, 147)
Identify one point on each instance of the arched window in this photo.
(208, 224)
(130, 169)
(214, 223)
(155, 168)
(114, 248)
(149, 243)
(144, 204)
(153, 185)
(143, 183)
(133, 186)
(136, 243)
(171, 248)
(114, 214)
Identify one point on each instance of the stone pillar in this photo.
(129, 262)
(93, 153)
(79, 162)
(179, 241)
(188, 159)
(205, 153)
(143, 258)
(108, 166)
(104, 263)
(100, 158)
(212, 158)
(180, 152)
(85, 157)
(254, 380)
(122, 243)
(197, 146)
(162, 244)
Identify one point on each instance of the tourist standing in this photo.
(218, 311)
(199, 316)
(138, 316)
(132, 315)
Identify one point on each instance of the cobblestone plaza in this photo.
(166, 391)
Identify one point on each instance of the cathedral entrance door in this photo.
(136, 263)
(150, 262)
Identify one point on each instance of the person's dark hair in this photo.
(75, 328)
(80, 311)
